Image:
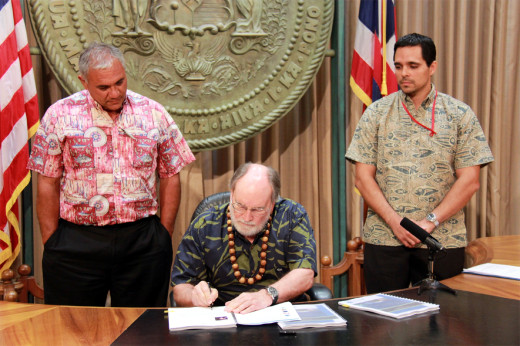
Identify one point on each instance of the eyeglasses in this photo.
(241, 209)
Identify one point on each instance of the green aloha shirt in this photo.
(203, 254)
(414, 169)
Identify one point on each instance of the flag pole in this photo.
(384, 88)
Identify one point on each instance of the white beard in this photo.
(248, 229)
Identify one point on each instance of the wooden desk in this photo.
(37, 324)
(467, 318)
(506, 250)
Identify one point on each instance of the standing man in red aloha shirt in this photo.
(98, 153)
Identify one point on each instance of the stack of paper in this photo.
(388, 305)
(314, 316)
(496, 270)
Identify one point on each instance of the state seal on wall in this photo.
(225, 70)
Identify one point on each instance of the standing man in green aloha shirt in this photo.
(418, 154)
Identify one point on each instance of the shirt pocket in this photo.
(145, 153)
(134, 189)
(77, 192)
(81, 151)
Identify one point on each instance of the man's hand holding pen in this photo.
(203, 294)
(210, 299)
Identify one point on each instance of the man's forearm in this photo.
(169, 200)
(374, 197)
(48, 205)
(458, 196)
(182, 294)
(372, 194)
(294, 283)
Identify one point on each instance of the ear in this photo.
(272, 207)
(83, 81)
(433, 68)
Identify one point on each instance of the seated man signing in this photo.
(250, 253)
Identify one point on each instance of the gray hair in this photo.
(272, 176)
(98, 55)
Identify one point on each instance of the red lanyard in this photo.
(432, 132)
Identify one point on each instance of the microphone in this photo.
(421, 234)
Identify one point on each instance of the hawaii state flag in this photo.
(373, 72)
(19, 120)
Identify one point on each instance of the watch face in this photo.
(272, 292)
(432, 218)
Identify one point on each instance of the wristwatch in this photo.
(432, 218)
(273, 293)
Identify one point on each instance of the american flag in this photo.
(373, 72)
(19, 121)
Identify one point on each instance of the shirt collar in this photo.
(257, 237)
(96, 105)
(427, 101)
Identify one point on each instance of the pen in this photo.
(128, 133)
(210, 305)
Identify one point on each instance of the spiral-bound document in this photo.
(314, 316)
(389, 305)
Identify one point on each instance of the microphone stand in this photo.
(430, 282)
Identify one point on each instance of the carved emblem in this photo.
(225, 70)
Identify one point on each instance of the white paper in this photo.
(496, 270)
(272, 314)
(217, 317)
(200, 318)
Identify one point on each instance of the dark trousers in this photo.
(389, 268)
(81, 264)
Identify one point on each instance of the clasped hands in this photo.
(204, 295)
(407, 238)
